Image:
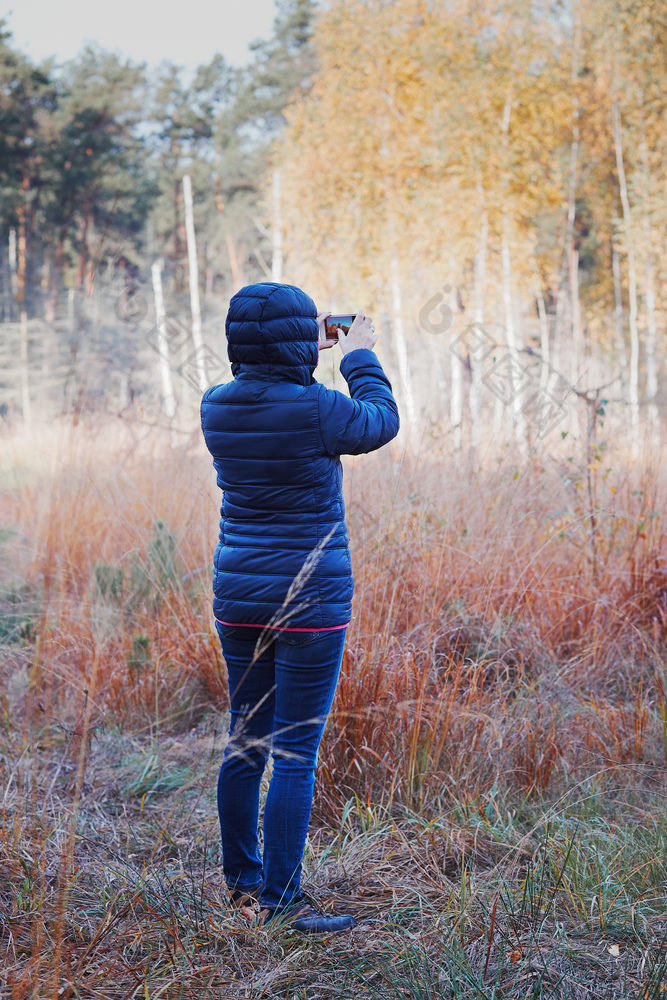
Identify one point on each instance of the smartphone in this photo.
(333, 324)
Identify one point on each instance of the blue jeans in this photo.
(281, 694)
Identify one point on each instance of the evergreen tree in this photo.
(26, 97)
(98, 190)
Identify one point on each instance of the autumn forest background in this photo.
(487, 180)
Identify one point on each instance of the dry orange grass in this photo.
(510, 618)
(511, 628)
(112, 533)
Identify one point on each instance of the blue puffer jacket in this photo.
(275, 435)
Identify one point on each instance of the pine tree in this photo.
(26, 95)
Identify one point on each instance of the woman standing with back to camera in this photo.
(276, 435)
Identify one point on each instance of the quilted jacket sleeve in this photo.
(367, 420)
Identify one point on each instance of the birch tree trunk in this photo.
(544, 339)
(48, 297)
(276, 231)
(193, 275)
(510, 340)
(24, 368)
(401, 346)
(22, 244)
(618, 312)
(440, 393)
(575, 312)
(168, 400)
(570, 251)
(21, 295)
(479, 282)
(401, 349)
(649, 291)
(13, 271)
(456, 369)
(632, 279)
(508, 310)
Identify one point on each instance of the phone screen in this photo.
(333, 324)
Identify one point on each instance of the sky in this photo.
(187, 33)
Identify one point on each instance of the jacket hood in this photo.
(272, 332)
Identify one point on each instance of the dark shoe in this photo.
(301, 916)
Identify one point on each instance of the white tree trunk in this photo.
(575, 313)
(649, 293)
(12, 259)
(276, 231)
(123, 391)
(402, 351)
(651, 339)
(618, 311)
(193, 275)
(24, 368)
(632, 279)
(440, 393)
(570, 251)
(48, 299)
(511, 340)
(479, 282)
(544, 339)
(456, 369)
(168, 400)
(508, 309)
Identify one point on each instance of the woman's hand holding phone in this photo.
(361, 334)
(351, 336)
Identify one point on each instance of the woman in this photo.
(282, 574)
